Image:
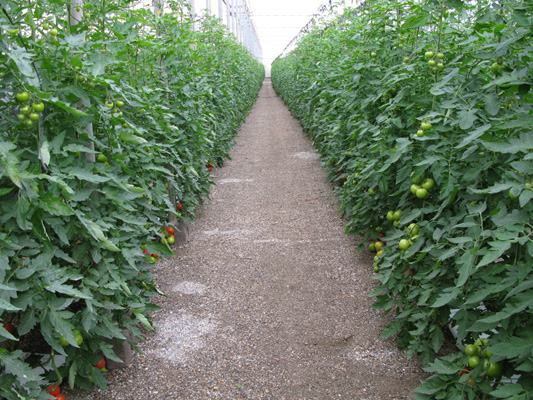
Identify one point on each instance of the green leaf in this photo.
(476, 133)
(57, 287)
(391, 329)
(85, 175)
(24, 62)
(495, 252)
(4, 305)
(45, 153)
(507, 391)
(96, 232)
(66, 107)
(431, 386)
(448, 295)
(13, 365)
(514, 347)
(72, 372)
(467, 118)
(55, 205)
(10, 161)
(142, 318)
(75, 148)
(129, 137)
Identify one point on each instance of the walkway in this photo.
(269, 298)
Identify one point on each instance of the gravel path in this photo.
(268, 300)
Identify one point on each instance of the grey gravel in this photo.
(268, 300)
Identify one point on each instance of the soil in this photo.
(268, 299)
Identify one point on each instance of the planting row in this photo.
(111, 121)
(422, 112)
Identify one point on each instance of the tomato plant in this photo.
(458, 135)
(101, 130)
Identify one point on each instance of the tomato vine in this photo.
(426, 107)
(107, 121)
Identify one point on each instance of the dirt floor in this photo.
(268, 300)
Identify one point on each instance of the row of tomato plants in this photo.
(422, 112)
(111, 120)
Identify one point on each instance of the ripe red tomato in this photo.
(155, 255)
(465, 371)
(10, 328)
(381, 235)
(170, 230)
(60, 397)
(100, 364)
(146, 252)
(179, 207)
(53, 389)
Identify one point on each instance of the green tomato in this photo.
(39, 107)
(414, 188)
(419, 133)
(34, 116)
(46, 26)
(53, 32)
(440, 65)
(440, 55)
(417, 180)
(422, 193)
(78, 336)
(163, 241)
(390, 215)
(170, 240)
(494, 370)
(496, 68)
(23, 97)
(473, 361)
(471, 350)
(63, 341)
(101, 158)
(396, 224)
(376, 268)
(428, 184)
(426, 126)
(374, 54)
(25, 110)
(109, 104)
(429, 54)
(371, 191)
(413, 229)
(120, 103)
(431, 63)
(404, 244)
(372, 247)
(21, 117)
(397, 215)
(512, 196)
(153, 260)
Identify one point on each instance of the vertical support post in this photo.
(193, 13)
(220, 12)
(228, 20)
(234, 18)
